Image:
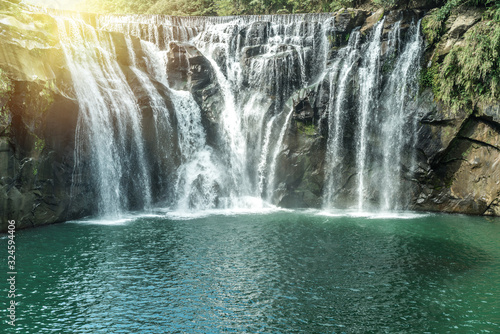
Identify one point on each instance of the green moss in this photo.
(5, 84)
(39, 144)
(307, 129)
(432, 27)
(381, 16)
(47, 93)
(470, 73)
(6, 88)
(428, 76)
(388, 65)
(449, 182)
(385, 3)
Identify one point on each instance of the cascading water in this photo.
(259, 65)
(398, 126)
(340, 77)
(384, 121)
(109, 125)
(271, 183)
(198, 177)
(368, 78)
(262, 67)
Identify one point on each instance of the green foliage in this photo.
(6, 88)
(118, 6)
(386, 3)
(433, 24)
(5, 84)
(470, 73)
(246, 7)
(39, 144)
(183, 7)
(338, 4)
(428, 76)
(225, 7)
(433, 27)
(216, 7)
(493, 13)
(307, 129)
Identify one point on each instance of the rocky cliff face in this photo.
(457, 151)
(37, 124)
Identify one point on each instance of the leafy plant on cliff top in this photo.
(493, 13)
(386, 3)
(470, 73)
(433, 25)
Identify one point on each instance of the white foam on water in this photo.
(242, 206)
(373, 214)
(121, 220)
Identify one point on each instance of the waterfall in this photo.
(368, 78)
(146, 143)
(259, 65)
(272, 170)
(398, 123)
(384, 123)
(233, 133)
(264, 156)
(198, 177)
(109, 124)
(341, 75)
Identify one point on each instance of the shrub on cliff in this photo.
(230, 7)
(470, 73)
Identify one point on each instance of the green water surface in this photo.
(282, 272)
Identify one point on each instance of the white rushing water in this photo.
(399, 127)
(369, 86)
(198, 177)
(262, 67)
(341, 75)
(385, 127)
(109, 124)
